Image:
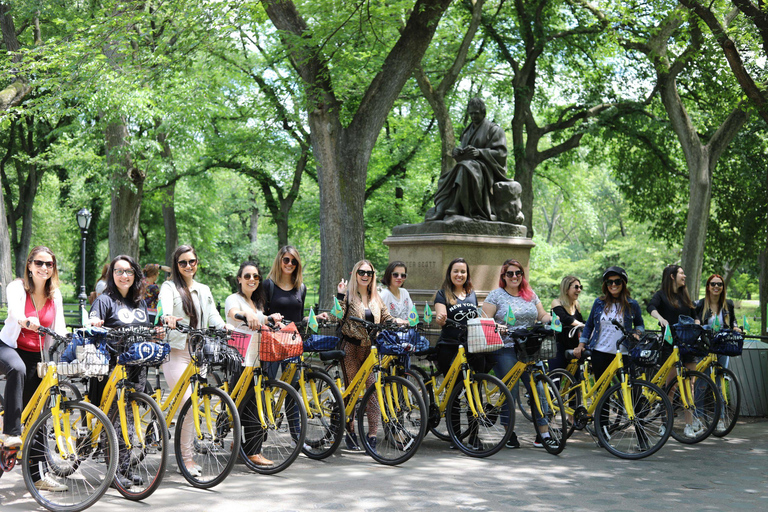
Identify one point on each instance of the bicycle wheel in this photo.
(140, 469)
(522, 398)
(485, 434)
(565, 383)
(730, 393)
(206, 460)
(278, 440)
(698, 421)
(642, 435)
(437, 423)
(325, 416)
(87, 469)
(422, 376)
(553, 414)
(396, 439)
(69, 391)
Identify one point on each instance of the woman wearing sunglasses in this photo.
(184, 299)
(715, 305)
(358, 298)
(568, 310)
(33, 301)
(514, 292)
(396, 298)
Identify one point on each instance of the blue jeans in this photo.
(505, 360)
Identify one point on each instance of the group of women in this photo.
(35, 300)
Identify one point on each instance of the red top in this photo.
(29, 340)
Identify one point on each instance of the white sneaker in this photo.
(195, 471)
(49, 483)
(10, 441)
(721, 426)
(697, 425)
(688, 431)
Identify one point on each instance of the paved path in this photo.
(718, 474)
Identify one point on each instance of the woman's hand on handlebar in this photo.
(31, 323)
(170, 321)
(252, 320)
(578, 350)
(95, 322)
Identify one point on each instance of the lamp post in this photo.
(83, 222)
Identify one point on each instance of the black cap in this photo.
(618, 271)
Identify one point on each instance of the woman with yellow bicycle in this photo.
(33, 301)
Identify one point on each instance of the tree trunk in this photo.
(6, 276)
(169, 222)
(126, 195)
(26, 203)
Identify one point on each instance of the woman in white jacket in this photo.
(33, 301)
(185, 300)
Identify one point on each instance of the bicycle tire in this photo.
(552, 407)
(397, 439)
(423, 377)
(147, 462)
(730, 392)
(325, 416)
(216, 453)
(486, 435)
(92, 465)
(708, 405)
(69, 391)
(570, 393)
(521, 401)
(283, 439)
(646, 433)
(437, 424)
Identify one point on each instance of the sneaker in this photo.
(123, 481)
(697, 425)
(135, 478)
(537, 443)
(513, 442)
(371, 440)
(195, 471)
(10, 442)
(688, 431)
(49, 483)
(350, 438)
(260, 460)
(721, 426)
(550, 442)
(475, 444)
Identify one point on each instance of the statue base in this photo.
(428, 248)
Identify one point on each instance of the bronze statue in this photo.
(477, 187)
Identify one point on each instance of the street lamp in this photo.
(83, 222)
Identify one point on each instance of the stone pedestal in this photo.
(428, 248)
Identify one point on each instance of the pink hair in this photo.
(525, 290)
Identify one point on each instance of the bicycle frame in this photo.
(460, 364)
(172, 403)
(514, 375)
(660, 378)
(598, 389)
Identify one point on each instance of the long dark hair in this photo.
(675, 297)
(622, 300)
(710, 304)
(257, 296)
(181, 285)
(447, 287)
(135, 292)
(387, 279)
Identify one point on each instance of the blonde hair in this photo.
(564, 299)
(276, 272)
(353, 293)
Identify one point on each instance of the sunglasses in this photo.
(614, 282)
(184, 263)
(120, 272)
(364, 273)
(716, 285)
(248, 277)
(41, 263)
(513, 273)
(290, 261)
(578, 287)
(399, 276)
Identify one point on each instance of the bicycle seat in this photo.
(430, 351)
(585, 353)
(331, 355)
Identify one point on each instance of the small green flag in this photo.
(510, 317)
(336, 309)
(746, 324)
(557, 325)
(427, 314)
(413, 316)
(312, 321)
(668, 335)
(159, 313)
(716, 324)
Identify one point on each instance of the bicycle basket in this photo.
(535, 345)
(392, 343)
(145, 353)
(429, 336)
(646, 351)
(728, 343)
(280, 345)
(320, 342)
(688, 338)
(483, 336)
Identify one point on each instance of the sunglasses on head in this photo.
(513, 273)
(248, 277)
(120, 271)
(716, 285)
(399, 276)
(41, 263)
(614, 282)
(364, 273)
(184, 263)
(290, 261)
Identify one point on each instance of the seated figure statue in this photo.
(480, 172)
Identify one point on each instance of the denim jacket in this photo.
(591, 332)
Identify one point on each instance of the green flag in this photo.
(312, 321)
(510, 317)
(716, 324)
(668, 335)
(159, 313)
(336, 309)
(413, 316)
(427, 314)
(557, 325)
(746, 324)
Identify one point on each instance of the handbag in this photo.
(483, 336)
(280, 345)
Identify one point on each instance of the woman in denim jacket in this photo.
(599, 334)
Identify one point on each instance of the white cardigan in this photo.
(17, 299)
(172, 305)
